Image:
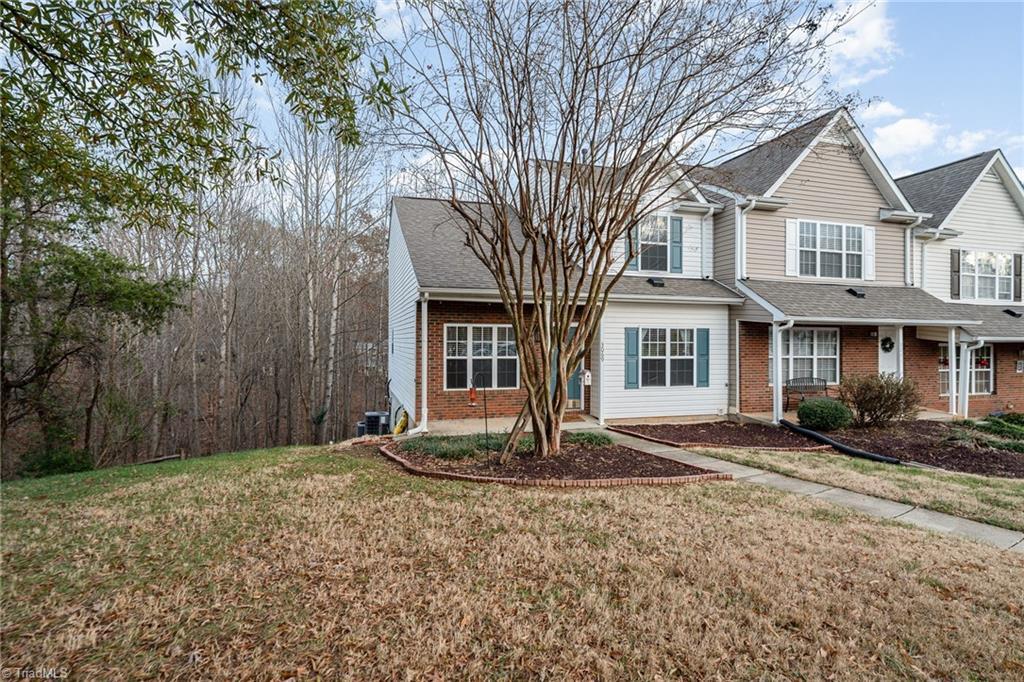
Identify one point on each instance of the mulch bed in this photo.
(575, 466)
(722, 434)
(934, 444)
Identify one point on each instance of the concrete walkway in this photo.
(867, 504)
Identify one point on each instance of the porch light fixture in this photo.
(656, 281)
(854, 291)
(1013, 313)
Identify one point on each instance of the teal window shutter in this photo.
(632, 357)
(676, 245)
(702, 357)
(634, 263)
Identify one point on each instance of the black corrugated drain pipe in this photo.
(845, 449)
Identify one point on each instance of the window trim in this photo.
(838, 356)
(667, 243)
(468, 358)
(976, 275)
(668, 357)
(990, 370)
(817, 250)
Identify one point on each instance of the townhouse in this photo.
(804, 244)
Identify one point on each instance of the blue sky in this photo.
(947, 77)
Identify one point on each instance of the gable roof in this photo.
(435, 237)
(763, 169)
(996, 323)
(756, 170)
(940, 190)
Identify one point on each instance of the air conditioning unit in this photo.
(377, 423)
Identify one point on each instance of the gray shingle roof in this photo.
(442, 259)
(755, 171)
(937, 190)
(833, 302)
(995, 323)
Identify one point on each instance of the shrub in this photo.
(1000, 427)
(823, 414)
(591, 438)
(59, 460)
(1015, 418)
(879, 399)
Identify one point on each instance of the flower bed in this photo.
(721, 434)
(582, 462)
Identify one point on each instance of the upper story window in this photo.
(831, 250)
(654, 243)
(986, 275)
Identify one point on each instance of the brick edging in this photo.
(555, 482)
(715, 445)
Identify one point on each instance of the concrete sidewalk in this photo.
(867, 504)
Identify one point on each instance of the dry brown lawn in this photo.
(998, 501)
(304, 562)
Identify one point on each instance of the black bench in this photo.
(804, 386)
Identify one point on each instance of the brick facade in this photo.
(858, 354)
(454, 404)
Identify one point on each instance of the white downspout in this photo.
(741, 273)
(966, 360)
(422, 426)
(951, 344)
(924, 261)
(899, 346)
(908, 249)
(777, 329)
(703, 272)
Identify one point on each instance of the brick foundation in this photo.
(858, 355)
(443, 405)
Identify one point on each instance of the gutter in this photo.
(421, 427)
(492, 296)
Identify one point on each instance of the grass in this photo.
(998, 501)
(305, 562)
(461, 447)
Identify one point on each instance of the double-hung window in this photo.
(667, 357)
(484, 356)
(807, 352)
(980, 372)
(986, 275)
(654, 243)
(831, 250)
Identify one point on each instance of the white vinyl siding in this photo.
(403, 292)
(691, 249)
(617, 402)
(988, 219)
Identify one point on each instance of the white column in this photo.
(951, 343)
(899, 351)
(777, 372)
(424, 346)
(966, 353)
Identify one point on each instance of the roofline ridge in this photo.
(949, 163)
(829, 114)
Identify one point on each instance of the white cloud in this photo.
(905, 137)
(968, 141)
(393, 21)
(865, 45)
(880, 110)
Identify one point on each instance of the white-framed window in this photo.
(481, 355)
(653, 243)
(986, 275)
(830, 250)
(807, 352)
(980, 372)
(667, 357)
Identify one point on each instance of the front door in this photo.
(574, 384)
(888, 353)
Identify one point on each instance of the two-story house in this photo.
(804, 244)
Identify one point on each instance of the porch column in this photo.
(899, 351)
(951, 355)
(776, 372)
(966, 353)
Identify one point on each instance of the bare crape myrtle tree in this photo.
(561, 126)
